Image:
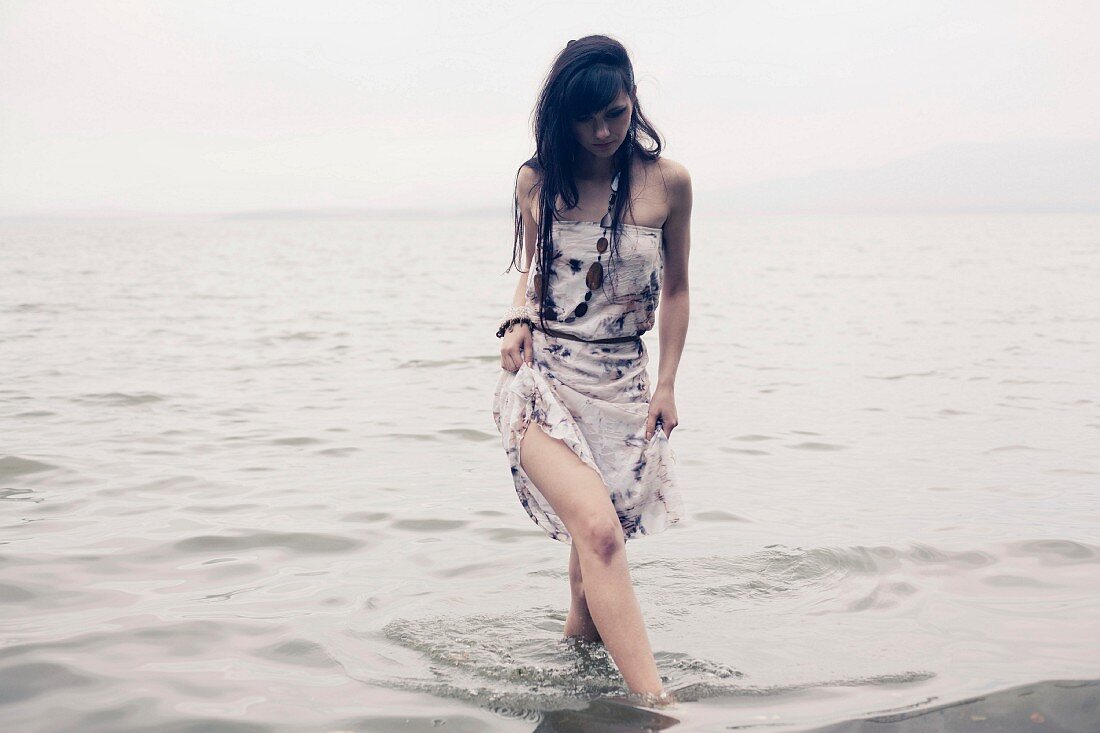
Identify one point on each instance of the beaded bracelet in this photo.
(516, 314)
(508, 324)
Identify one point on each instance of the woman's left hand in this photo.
(662, 407)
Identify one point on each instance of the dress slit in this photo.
(594, 396)
(532, 399)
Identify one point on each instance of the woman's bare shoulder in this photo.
(676, 181)
(528, 179)
(674, 173)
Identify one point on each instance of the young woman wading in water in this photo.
(602, 224)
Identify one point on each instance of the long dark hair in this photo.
(586, 76)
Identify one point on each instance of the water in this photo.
(251, 482)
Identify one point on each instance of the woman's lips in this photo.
(604, 145)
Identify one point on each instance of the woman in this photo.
(586, 436)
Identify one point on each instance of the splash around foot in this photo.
(663, 699)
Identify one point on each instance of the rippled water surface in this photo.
(250, 480)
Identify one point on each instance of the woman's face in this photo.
(601, 132)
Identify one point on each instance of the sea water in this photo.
(250, 479)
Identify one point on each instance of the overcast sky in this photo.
(196, 106)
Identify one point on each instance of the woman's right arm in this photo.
(515, 348)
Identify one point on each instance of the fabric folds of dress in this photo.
(595, 397)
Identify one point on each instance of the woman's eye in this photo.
(610, 115)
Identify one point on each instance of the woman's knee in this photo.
(576, 586)
(601, 536)
(576, 580)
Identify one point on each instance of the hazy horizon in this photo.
(165, 109)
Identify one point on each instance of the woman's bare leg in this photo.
(580, 498)
(579, 621)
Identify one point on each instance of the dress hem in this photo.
(529, 397)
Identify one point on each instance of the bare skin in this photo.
(603, 605)
(580, 498)
(578, 622)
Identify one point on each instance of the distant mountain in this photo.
(1032, 175)
(352, 212)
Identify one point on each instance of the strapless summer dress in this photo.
(595, 396)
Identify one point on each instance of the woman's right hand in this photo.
(515, 347)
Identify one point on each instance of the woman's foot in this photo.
(659, 700)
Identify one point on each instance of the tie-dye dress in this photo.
(595, 396)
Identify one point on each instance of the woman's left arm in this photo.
(674, 306)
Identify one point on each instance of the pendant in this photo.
(595, 276)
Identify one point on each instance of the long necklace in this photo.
(594, 279)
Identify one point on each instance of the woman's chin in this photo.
(604, 152)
